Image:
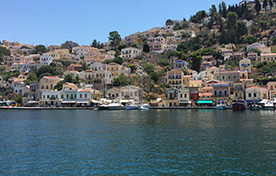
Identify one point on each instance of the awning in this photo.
(82, 102)
(205, 102)
(184, 101)
(2, 102)
(32, 102)
(68, 102)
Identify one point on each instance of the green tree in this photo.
(4, 52)
(164, 62)
(254, 29)
(94, 43)
(40, 49)
(155, 76)
(121, 80)
(59, 85)
(69, 45)
(241, 29)
(250, 39)
(169, 22)
(118, 60)
(264, 25)
(32, 77)
(132, 67)
(146, 48)
(18, 99)
(148, 67)
(265, 4)
(257, 6)
(114, 38)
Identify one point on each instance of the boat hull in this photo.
(101, 108)
(255, 107)
(270, 108)
(238, 107)
(143, 107)
(131, 107)
(220, 107)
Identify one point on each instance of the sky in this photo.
(52, 22)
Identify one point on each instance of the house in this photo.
(69, 92)
(130, 40)
(172, 97)
(256, 93)
(180, 64)
(9, 60)
(228, 76)
(113, 93)
(208, 74)
(183, 96)
(84, 96)
(116, 70)
(131, 92)
(17, 86)
(50, 98)
(175, 78)
(74, 67)
(156, 44)
(97, 66)
(208, 61)
(252, 56)
(130, 53)
(255, 46)
(221, 91)
(238, 90)
(236, 56)
(206, 93)
(268, 57)
(265, 50)
(80, 50)
(46, 59)
(47, 83)
(272, 89)
(245, 65)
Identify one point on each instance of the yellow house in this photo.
(245, 65)
(116, 70)
(186, 80)
(47, 83)
(175, 78)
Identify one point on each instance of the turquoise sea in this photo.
(155, 142)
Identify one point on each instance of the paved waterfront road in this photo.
(156, 142)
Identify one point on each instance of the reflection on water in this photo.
(156, 142)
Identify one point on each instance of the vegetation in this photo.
(69, 45)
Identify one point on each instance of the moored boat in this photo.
(255, 106)
(103, 107)
(143, 107)
(131, 106)
(115, 106)
(269, 106)
(238, 105)
(221, 105)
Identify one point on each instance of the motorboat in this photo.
(269, 106)
(103, 107)
(255, 106)
(221, 105)
(143, 107)
(131, 106)
(115, 106)
(238, 105)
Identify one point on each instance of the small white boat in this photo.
(269, 106)
(115, 106)
(143, 107)
(221, 105)
(131, 106)
(255, 106)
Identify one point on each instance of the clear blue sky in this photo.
(55, 21)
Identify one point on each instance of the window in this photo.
(255, 95)
(181, 96)
(85, 95)
(185, 95)
(249, 95)
(80, 95)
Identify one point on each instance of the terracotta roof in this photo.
(51, 77)
(85, 90)
(268, 54)
(208, 94)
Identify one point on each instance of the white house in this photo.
(46, 59)
(97, 66)
(130, 52)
